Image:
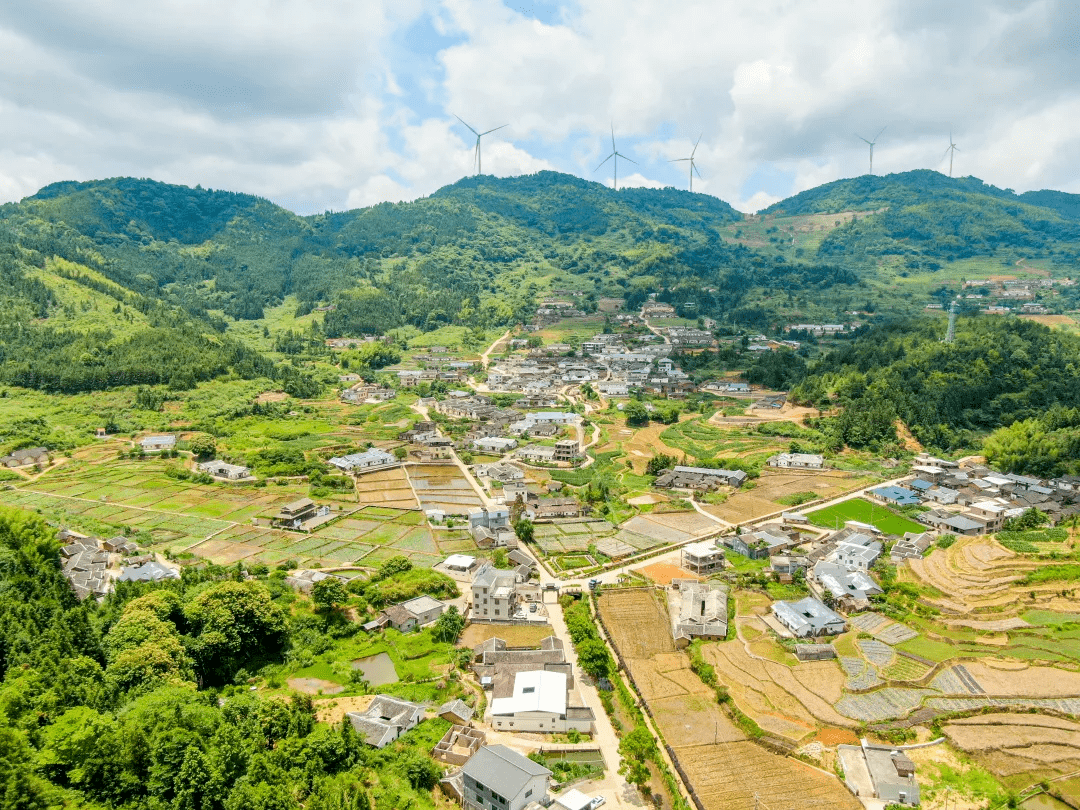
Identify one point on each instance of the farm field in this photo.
(214, 521)
(386, 488)
(575, 535)
(443, 486)
(724, 769)
(833, 517)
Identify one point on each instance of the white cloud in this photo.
(343, 103)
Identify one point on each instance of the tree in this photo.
(329, 593)
(392, 567)
(524, 530)
(636, 748)
(400, 453)
(231, 622)
(449, 625)
(637, 415)
(594, 657)
(202, 445)
(657, 464)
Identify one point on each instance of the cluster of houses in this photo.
(27, 457)
(364, 393)
(972, 499)
(92, 565)
(700, 479)
(605, 361)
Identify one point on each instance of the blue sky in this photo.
(343, 104)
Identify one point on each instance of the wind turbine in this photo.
(693, 166)
(615, 153)
(861, 138)
(479, 135)
(952, 150)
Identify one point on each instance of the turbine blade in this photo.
(861, 138)
(473, 131)
(694, 167)
(946, 153)
(699, 137)
(613, 137)
(504, 126)
(624, 157)
(879, 134)
(605, 160)
(678, 160)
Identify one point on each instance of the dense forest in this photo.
(132, 703)
(997, 372)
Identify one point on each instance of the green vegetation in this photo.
(865, 512)
(997, 371)
(143, 700)
(797, 498)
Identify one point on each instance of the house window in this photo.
(528, 793)
(528, 690)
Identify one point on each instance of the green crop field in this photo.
(833, 517)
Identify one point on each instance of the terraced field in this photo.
(979, 579)
(1009, 744)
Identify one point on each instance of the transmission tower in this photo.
(950, 335)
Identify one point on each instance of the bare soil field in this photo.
(744, 776)
(662, 573)
(725, 771)
(774, 695)
(775, 484)
(1051, 320)
(333, 710)
(315, 686)
(1041, 682)
(1011, 744)
(514, 635)
(641, 445)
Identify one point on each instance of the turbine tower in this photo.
(615, 153)
(952, 150)
(693, 166)
(871, 143)
(479, 135)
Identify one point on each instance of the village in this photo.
(767, 577)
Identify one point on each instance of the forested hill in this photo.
(872, 192)
(88, 271)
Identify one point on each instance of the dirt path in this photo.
(485, 358)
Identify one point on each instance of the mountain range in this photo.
(93, 272)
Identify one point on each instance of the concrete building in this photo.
(497, 778)
(494, 594)
(702, 558)
(760, 544)
(808, 617)
(540, 704)
(879, 772)
(567, 450)
(495, 445)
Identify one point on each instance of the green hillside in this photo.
(91, 269)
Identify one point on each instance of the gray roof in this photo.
(147, 572)
(502, 770)
(458, 708)
(737, 475)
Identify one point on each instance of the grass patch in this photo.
(863, 511)
(797, 498)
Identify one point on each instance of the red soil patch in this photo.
(663, 573)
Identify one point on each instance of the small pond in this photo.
(377, 669)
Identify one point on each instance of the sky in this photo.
(348, 103)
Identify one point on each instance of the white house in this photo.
(797, 461)
(372, 459)
(155, 444)
(494, 444)
(539, 703)
(808, 617)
